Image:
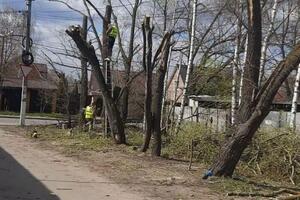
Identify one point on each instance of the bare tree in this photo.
(255, 105)
(84, 74)
(234, 102)
(159, 94)
(153, 103)
(190, 63)
(265, 43)
(127, 57)
(88, 51)
(148, 68)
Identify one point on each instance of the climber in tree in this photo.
(112, 33)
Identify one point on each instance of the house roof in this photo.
(182, 73)
(118, 77)
(136, 90)
(38, 78)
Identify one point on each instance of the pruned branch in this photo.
(91, 4)
(93, 26)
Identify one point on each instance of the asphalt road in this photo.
(7, 121)
(30, 173)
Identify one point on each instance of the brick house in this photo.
(176, 79)
(41, 91)
(136, 91)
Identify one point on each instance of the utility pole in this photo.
(27, 59)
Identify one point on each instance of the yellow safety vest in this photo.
(88, 112)
(113, 32)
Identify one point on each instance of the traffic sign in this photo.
(24, 70)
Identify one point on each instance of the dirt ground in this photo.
(119, 174)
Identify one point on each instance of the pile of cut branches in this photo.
(274, 154)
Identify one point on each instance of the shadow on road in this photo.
(16, 183)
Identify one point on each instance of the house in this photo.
(136, 91)
(176, 84)
(41, 93)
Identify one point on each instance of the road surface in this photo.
(14, 121)
(32, 174)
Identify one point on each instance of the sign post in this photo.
(27, 59)
(25, 71)
(23, 102)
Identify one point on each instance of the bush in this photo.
(274, 154)
(206, 143)
(134, 136)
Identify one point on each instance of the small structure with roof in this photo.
(41, 93)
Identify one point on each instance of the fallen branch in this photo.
(265, 185)
(192, 154)
(293, 197)
(256, 194)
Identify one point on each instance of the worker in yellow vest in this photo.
(89, 116)
(112, 33)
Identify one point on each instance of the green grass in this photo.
(77, 142)
(267, 157)
(134, 137)
(206, 143)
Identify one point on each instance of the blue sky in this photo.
(50, 20)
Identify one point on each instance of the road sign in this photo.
(24, 70)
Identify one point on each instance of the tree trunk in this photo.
(235, 64)
(233, 149)
(124, 104)
(88, 51)
(84, 75)
(189, 67)
(295, 101)
(147, 63)
(106, 60)
(158, 97)
(251, 70)
(242, 71)
(266, 44)
(105, 51)
(127, 58)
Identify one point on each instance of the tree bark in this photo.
(254, 104)
(242, 71)
(124, 103)
(84, 78)
(189, 67)
(127, 58)
(233, 149)
(88, 51)
(235, 64)
(251, 70)
(266, 43)
(106, 53)
(159, 94)
(147, 63)
(295, 101)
